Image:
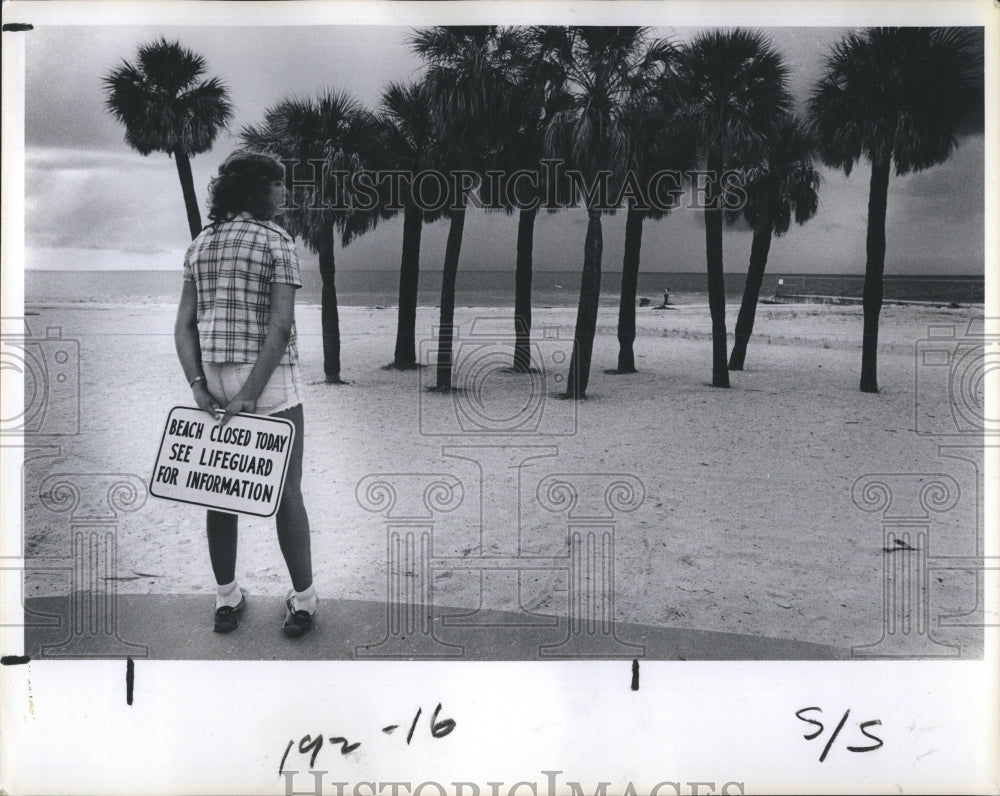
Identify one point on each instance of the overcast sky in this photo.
(91, 202)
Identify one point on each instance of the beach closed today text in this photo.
(237, 467)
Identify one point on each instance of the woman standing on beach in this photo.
(235, 337)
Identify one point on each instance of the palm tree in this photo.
(781, 185)
(728, 89)
(538, 96)
(472, 73)
(329, 133)
(894, 96)
(656, 147)
(600, 68)
(408, 141)
(533, 101)
(166, 107)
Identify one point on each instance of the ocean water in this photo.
(495, 288)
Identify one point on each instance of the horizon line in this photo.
(700, 272)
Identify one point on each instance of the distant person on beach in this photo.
(235, 337)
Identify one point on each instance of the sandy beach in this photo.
(747, 524)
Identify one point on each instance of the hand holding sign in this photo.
(235, 407)
(237, 467)
(205, 400)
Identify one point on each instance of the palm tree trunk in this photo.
(446, 331)
(405, 356)
(187, 187)
(874, 266)
(751, 291)
(716, 281)
(630, 283)
(330, 314)
(586, 314)
(522, 289)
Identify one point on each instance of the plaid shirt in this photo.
(233, 264)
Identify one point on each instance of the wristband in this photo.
(195, 380)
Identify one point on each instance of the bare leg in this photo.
(222, 527)
(292, 521)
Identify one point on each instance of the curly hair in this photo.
(243, 185)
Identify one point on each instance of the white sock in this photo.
(305, 600)
(228, 594)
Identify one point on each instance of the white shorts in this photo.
(281, 392)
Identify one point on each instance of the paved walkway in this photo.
(179, 627)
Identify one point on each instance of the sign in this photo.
(239, 467)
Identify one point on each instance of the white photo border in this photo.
(213, 727)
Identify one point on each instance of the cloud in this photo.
(85, 199)
(67, 160)
(962, 173)
(65, 100)
(87, 192)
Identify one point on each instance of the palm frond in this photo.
(781, 181)
(726, 88)
(899, 94)
(332, 132)
(472, 81)
(602, 111)
(162, 102)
